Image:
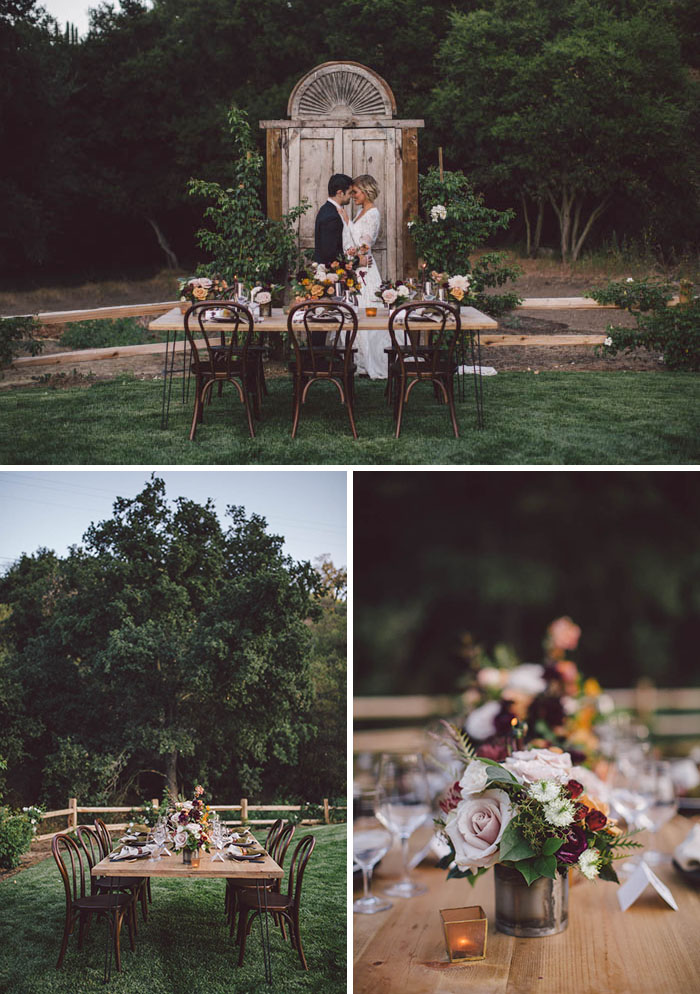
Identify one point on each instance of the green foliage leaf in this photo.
(607, 872)
(497, 774)
(552, 846)
(513, 845)
(528, 869)
(546, 866)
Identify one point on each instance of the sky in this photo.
(52, 509)
(75, 11)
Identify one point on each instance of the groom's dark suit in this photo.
(328, 235)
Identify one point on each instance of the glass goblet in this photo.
(658, 789)
(403, 805)
(370, 842)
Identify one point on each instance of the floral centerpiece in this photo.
(530, 817)
(316, 281)
(197, 288)
(394, 294)
(262, 295)
(543, 704)
(189, 824)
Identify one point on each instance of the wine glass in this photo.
(657, 787)
(370, 842)
(217, 838)
(160, 836)
(403, 804)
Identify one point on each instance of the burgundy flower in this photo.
(574, 788)
(183, 818)
(492, 750)
(574, 845)
(451, 798)
(595, 820)
(502, 721)
(580, 812)
(547, 709)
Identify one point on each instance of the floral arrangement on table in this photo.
(189, 824)
(314, 282)
(196, 288)
(394, 294)
(543, 704)
(264, 292)
(530, 813)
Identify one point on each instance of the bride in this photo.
(359, 235)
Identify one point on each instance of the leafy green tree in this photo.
(572, 105)
(165, 643)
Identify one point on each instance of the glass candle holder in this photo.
(371, 312)
(465, 933)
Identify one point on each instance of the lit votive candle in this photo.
(465, 933)
(371, 312)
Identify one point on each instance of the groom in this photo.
(328, 231)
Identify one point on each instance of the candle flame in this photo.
(514, 722)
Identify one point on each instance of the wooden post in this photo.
(442, 174)
(326, 811)
(273, 138)
(73, 816)
(244, 810)
(409, 166)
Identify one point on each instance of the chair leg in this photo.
(297, 407)
(300, 948)
(81, 929)
(67, 929)
(242, 931)
(130, 919)
(117, 929)
(399, 413)
(451, 404)
(148, 890)
(144, 901)
(348, 404)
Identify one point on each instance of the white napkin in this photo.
(481, 370)
(685, 774)
(687, 854)
(128, 852)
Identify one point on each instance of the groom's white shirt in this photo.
(337, 207)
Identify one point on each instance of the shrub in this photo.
(17, 336)
(453, 224)
(648, 294)
(16, 832)
(673, 331)
(104, 334)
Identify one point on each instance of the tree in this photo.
(165, 643)
(567, 104)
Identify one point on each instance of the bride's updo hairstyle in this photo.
(368, 185)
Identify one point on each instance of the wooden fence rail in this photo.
(74, 809)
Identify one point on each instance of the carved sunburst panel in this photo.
(344, 91)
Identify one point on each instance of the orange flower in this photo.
(199, 292)
(316, 290)
(457, 293)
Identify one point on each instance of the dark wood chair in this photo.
(277, 843)
(323, 352)
(92, 844)
(423, 355)
(81, 906)
(222, 356)
(106, 845)
(285, 906)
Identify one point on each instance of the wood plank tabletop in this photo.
(172, 866)
(648, 949)
(174, 320)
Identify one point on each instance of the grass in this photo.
(612, 418)
(184, 946)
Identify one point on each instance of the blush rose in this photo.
(475, 828)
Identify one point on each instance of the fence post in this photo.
(244, 810)
(73, 816)
(326, 811)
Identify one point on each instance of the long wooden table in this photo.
(174, 322)
(648, 949)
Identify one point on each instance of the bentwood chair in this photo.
(94, 851)
(222, 356)
(106, 847)
(277, 843)
(80, 906)
(423, 351)
(322, 335)
(285, 906)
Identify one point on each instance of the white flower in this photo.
(608, 341)
(389, 296)
(532, 765)
(560, 812)
(629, 279)
(491, 678)
(474, 778)
(475, 828)
(263, 297)
(458, 283)
(194, 828)
(528, 678)
(402, 290)
(544, 790)
(331, 277)
(570, 704)
(438, 213)
(410, 224)
(481, 723)
(589, 863)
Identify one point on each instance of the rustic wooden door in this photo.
(373, 151)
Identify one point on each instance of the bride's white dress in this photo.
(370, 345)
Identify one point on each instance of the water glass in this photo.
(403, 805)
(370, 842)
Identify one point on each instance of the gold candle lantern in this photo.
(465, 933)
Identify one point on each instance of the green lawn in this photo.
(550, 418)
(184, 946)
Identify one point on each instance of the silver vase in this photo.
(540, 909)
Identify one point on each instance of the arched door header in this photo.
(341, 90)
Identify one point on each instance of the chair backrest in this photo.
(91, 843)
(297, 867)
(281, 845)
(225, 343)
(71, 861)
(104, 837)
(426, 348)
(324, 336)
(273, 833)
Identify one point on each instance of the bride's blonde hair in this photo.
(368, 185)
